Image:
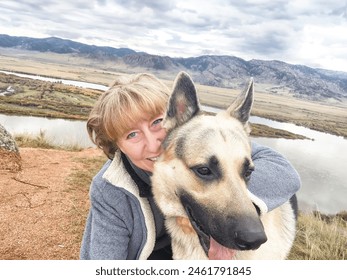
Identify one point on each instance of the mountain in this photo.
(277, 77)
(58, 45)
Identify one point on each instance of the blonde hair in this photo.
(127, 100)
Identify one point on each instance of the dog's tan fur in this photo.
(194, 137)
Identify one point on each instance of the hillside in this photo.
(58, 45)
(275, 77)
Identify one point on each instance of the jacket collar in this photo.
(140, 177)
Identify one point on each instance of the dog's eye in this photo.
(247, 169)
(203, 172)
(248, 173)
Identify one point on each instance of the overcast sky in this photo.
(308, 32)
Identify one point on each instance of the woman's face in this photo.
(142, 143)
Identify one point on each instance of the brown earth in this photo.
(10, 161)
(42, 213)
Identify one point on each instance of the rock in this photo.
(10, 158)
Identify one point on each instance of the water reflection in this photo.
(321, 169)
(59, 131)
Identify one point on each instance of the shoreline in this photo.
(48, 99)
(322, 117)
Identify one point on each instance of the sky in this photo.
(306, 32)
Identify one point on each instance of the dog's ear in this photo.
(241, 107)
(183, 103)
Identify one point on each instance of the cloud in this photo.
(303, 32)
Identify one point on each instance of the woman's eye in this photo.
(131, 135)
(158, 121)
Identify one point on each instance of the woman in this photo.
(126, 124)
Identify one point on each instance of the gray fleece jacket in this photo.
(121, 224)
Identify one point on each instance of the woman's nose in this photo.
(153, 142)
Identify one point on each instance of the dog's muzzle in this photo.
(221, 235)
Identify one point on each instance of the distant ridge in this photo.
(213, 70)
(58, 45)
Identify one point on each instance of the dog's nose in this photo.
(247, 240)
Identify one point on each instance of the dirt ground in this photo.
(42, 213)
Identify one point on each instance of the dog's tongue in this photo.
(219, 252)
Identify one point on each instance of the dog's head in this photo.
(203, 172)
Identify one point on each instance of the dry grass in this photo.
(82, 177)
(319, 238)
(79, 181)
(260, 130)
(40, 141)
(41, 98)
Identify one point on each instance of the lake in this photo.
(320, 163)
(58, 131)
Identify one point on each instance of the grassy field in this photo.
(323, 116)
(40, 98)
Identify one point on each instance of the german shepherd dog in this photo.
(200, 183)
